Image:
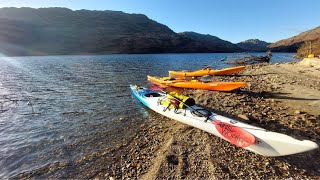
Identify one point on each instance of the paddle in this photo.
(167, 88)
(156, 87)
(233, 134)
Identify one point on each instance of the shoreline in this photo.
(281, 97)
(106, 54)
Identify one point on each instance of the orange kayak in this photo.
(195, 84)
(207, 71)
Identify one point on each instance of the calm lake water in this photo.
(58, 108)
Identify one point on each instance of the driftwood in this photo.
(250, 60)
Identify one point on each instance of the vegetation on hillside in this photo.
(309, 47)
(296, 42)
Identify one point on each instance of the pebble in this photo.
(297, 112)
(244, 117)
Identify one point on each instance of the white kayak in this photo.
(266, 143)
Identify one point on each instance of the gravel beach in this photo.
(283, 97)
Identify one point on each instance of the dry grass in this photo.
(304, 49)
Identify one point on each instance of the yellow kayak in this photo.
(195, 84)
(207, 71)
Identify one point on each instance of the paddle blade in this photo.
(174, 89)
(234, 134)
(156, 87)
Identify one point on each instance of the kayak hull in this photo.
(267, 143)
(212, 86)
(202, 72)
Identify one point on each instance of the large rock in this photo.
(310, 62)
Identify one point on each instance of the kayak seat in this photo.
(167, 78)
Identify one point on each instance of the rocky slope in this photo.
(293, 43)
(28, 31)
(253, 45)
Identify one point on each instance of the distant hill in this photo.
(293, 43)
(212, 43)
(49, 31)
(254, 45)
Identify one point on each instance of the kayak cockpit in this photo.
(152, 94)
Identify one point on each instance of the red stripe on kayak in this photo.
(234, 134)
(156, 87)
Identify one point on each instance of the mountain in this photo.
(27, 31)
(50, 31)
(293, 43)
(212, 43)
(254, 45)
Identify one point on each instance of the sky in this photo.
(232, 20)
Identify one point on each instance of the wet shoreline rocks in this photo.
(163, 148)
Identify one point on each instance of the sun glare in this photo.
(12, 61)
